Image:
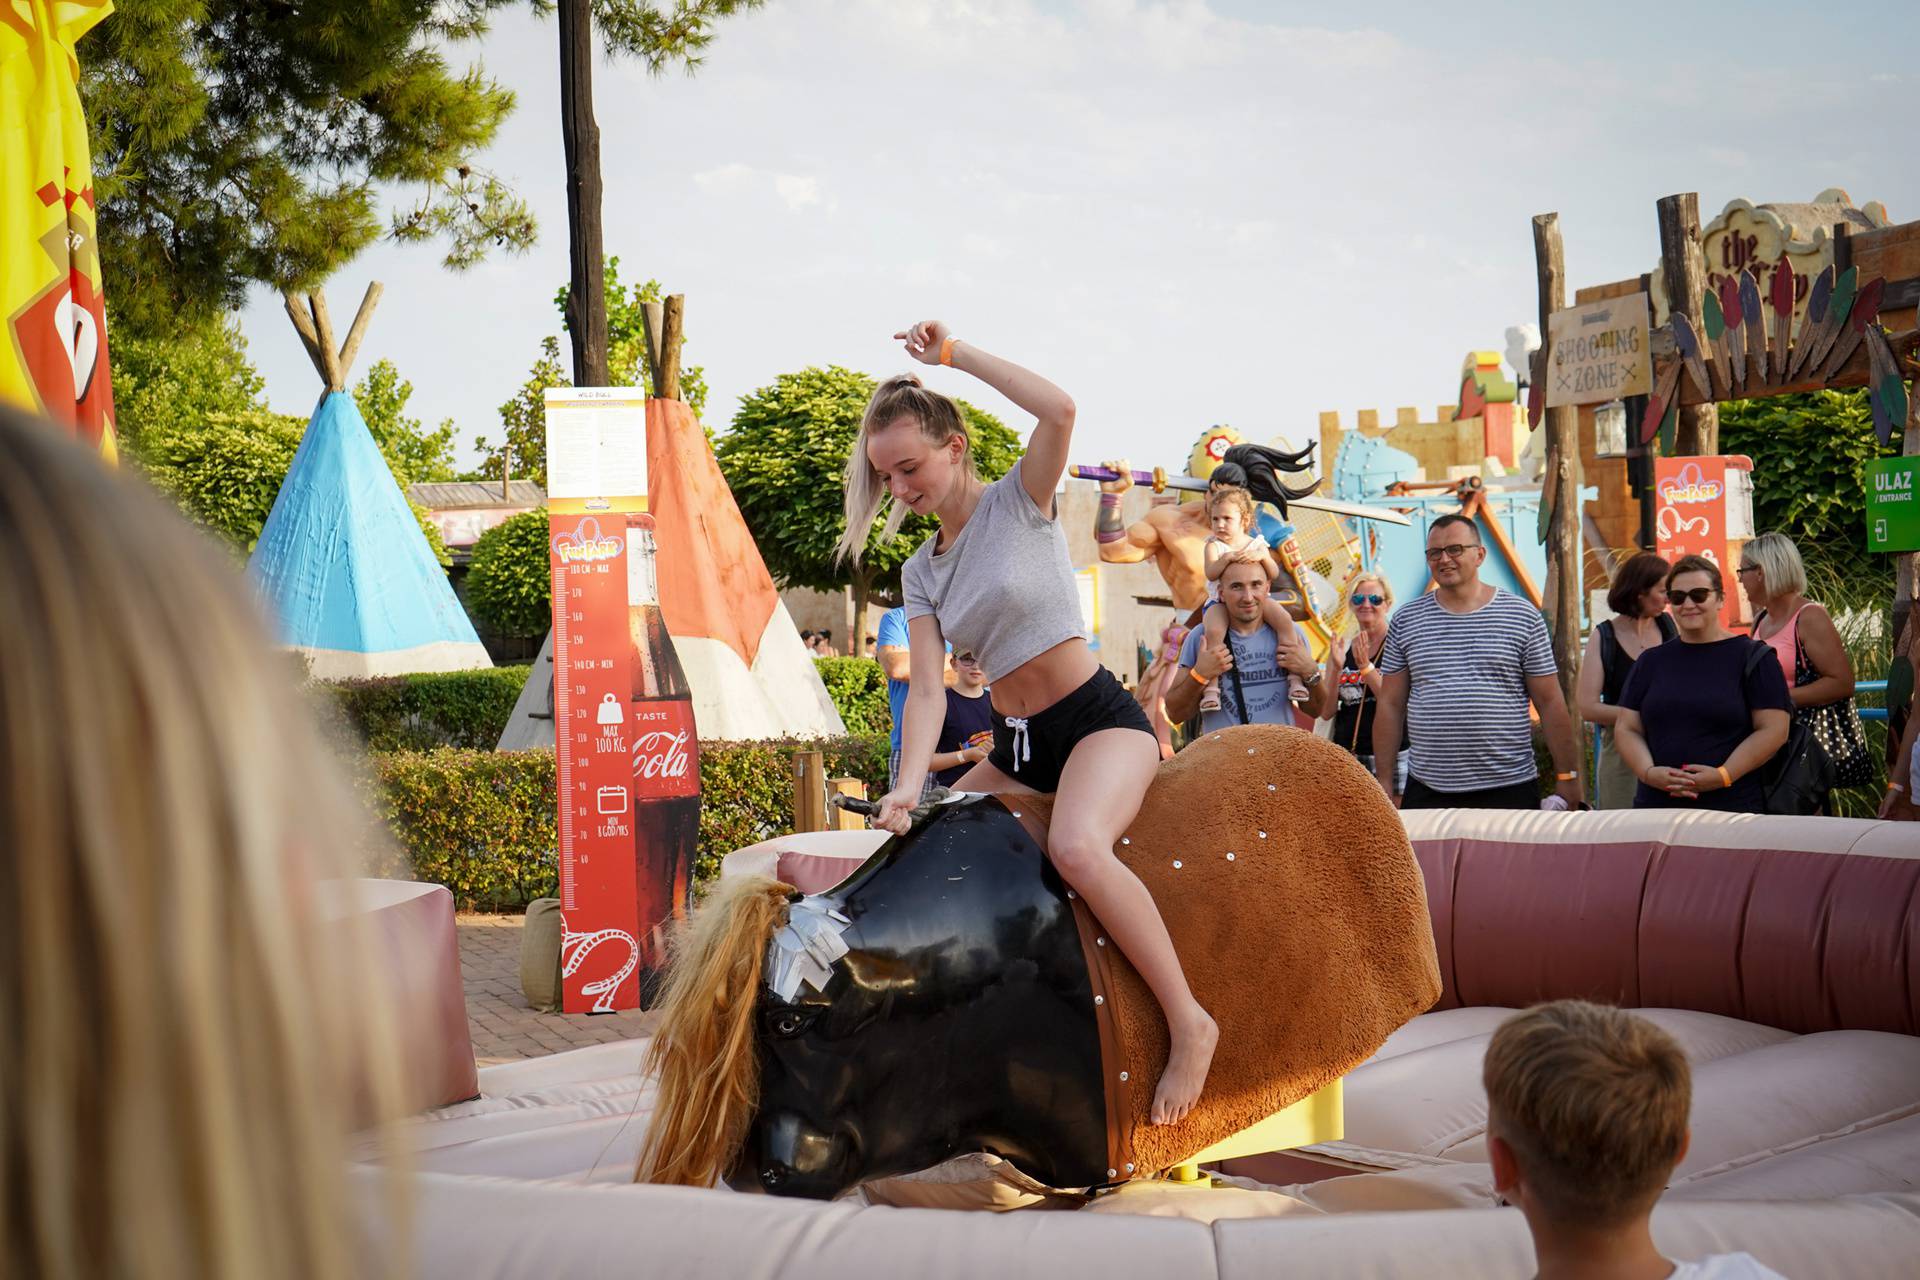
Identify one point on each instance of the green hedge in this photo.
(859, 690)
(471, 708)
(428, 710)
(483, 822)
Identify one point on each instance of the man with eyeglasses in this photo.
(1457, 670)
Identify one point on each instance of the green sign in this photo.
(1893, 504)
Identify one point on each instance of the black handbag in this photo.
(1836, 727)
(1799, 775)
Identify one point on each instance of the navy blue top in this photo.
(1696, 705)
(965, 717)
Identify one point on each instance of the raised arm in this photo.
(1052, 408)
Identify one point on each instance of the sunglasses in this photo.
(1699, 595)
(967, 658)
(1452, 551)
(1372, 600)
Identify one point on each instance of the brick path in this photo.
(505, 1028)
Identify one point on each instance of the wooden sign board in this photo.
(1599, 351)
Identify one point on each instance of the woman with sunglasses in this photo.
(1698, 717)
(1354, 678)
(1638, 598)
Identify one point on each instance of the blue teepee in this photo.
(342, 563)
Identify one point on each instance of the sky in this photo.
(1183, 213)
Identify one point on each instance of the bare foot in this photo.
(1186, 1073)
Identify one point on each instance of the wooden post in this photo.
(809, 791)
(1906, 565)
(329, 354)
(840, 819)
(358, 329)
(653, 324)
(1561, 482)
(672, 334)
(580, 137)
(1686, 276)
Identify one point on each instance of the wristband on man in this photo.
(1107, 526)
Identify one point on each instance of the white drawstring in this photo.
(1022, 748)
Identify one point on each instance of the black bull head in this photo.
(960, 1019)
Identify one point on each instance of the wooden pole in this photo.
(580, 139)
(672, 334)
(309, 336)
(809, 791)
(1562, 478)
(1686, 276)
(842, 819)
(329, 354)
(358, 330)
(653, 323)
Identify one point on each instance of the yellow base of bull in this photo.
(1318, 1117)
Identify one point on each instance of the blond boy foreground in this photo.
(1586, 1118)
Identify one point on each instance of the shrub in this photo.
(430, 709)
(858, 688)
(483, 822)
(510, 580)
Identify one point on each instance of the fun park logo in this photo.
(1691, 485)
(585, 543)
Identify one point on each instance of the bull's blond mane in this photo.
(704, 1057)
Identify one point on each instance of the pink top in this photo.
(1784, 641)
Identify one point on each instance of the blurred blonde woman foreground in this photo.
(184, 1046)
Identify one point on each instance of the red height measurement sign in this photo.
(593, 745)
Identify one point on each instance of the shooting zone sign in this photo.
(1893, 504)
(1599, 352)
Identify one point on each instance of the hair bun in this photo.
(904, 379)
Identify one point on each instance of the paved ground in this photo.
(505, 1028)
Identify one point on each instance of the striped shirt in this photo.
(1467, 696)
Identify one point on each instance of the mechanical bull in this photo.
(953, 994)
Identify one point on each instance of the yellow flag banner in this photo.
(53, 352)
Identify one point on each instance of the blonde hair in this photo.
(1235, 496)
(1781, 569)
(1373, 576)
(705, 1057)
(1594, 1101)
(189, 1040)
(939, 419)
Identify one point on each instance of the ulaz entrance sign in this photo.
(1893, 504)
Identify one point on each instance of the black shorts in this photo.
(1050, 736)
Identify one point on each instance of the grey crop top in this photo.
(1005, 589)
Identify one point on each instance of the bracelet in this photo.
(1894, 786)
(1197, 677)
(1726, 779)
(1565, 777)
(946, 350)
(1109, 499)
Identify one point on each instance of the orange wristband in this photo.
(946, 350)
(1197, 677)
(1726, 779)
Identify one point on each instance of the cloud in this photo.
(795, 190)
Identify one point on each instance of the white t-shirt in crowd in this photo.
(1725, 1266)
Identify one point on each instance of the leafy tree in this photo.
(523, 418)
(1809, 474)
(190, 374)
(237, 143)
(417, 456)
(785, 458)
(510, 579)
(225, 470)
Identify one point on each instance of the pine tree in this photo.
(239, 143)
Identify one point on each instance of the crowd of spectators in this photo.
(1440, 699)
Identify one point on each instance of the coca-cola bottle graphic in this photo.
(666, 763)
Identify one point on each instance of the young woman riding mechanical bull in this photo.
(996, 579)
